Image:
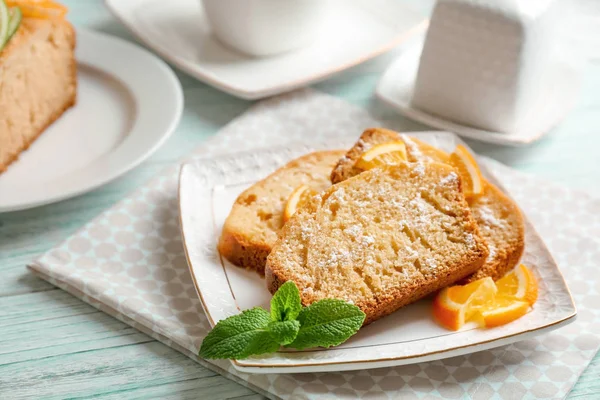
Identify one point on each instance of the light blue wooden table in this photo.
(55, 346)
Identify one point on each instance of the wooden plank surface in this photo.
(55, 346)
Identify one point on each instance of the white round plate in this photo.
(128, 103)
(396, 88)
(357, 30)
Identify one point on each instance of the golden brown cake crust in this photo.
(244, 251)
(24, 35)
(251, 227)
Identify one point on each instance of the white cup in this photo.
(265, 27)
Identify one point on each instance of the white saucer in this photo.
(396, 89)
(128, 103)
(178, 31)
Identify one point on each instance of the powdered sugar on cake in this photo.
(420, 168)
(353, 231)
(470, 240)
(305, 232)
(367, 240)
(451, 178)
(412, 146)
(364, 145)
(487, 214)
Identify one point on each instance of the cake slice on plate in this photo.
(38, 80)
(257, 215)
(381, 240)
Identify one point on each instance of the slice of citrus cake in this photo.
(501, 224)
(380, 240)
(38, 81)
(257, 215)
(499, 219)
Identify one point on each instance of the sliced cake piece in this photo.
(416, 151)
(380, 240)
(499, 219)
(251, 228)
(501, 224)
(38, 82)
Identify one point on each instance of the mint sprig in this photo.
(286, 303)
(284, 332)
(240, 336)
(325, 323)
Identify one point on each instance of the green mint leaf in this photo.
(240, 336)
(284, 332)
(286, 304)
(326, 323)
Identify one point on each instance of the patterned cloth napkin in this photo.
(129, 262)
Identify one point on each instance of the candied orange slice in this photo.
(485, 302)
(299, 196)
(455, 305)
(390, 153)
(520, 283)
(464, 162)
(43, 9)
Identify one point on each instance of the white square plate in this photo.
(357, 30)
(208, 188)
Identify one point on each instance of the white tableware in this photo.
(208, 188)
(396, 88)
(128, 103)
(179, 32)
(266, 27)
(486, 63)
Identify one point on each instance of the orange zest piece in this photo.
(390, 153)
(520, 283)
(504, 311)
(299, 196)
(42, 9)
(464, 162)
(485, 302)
